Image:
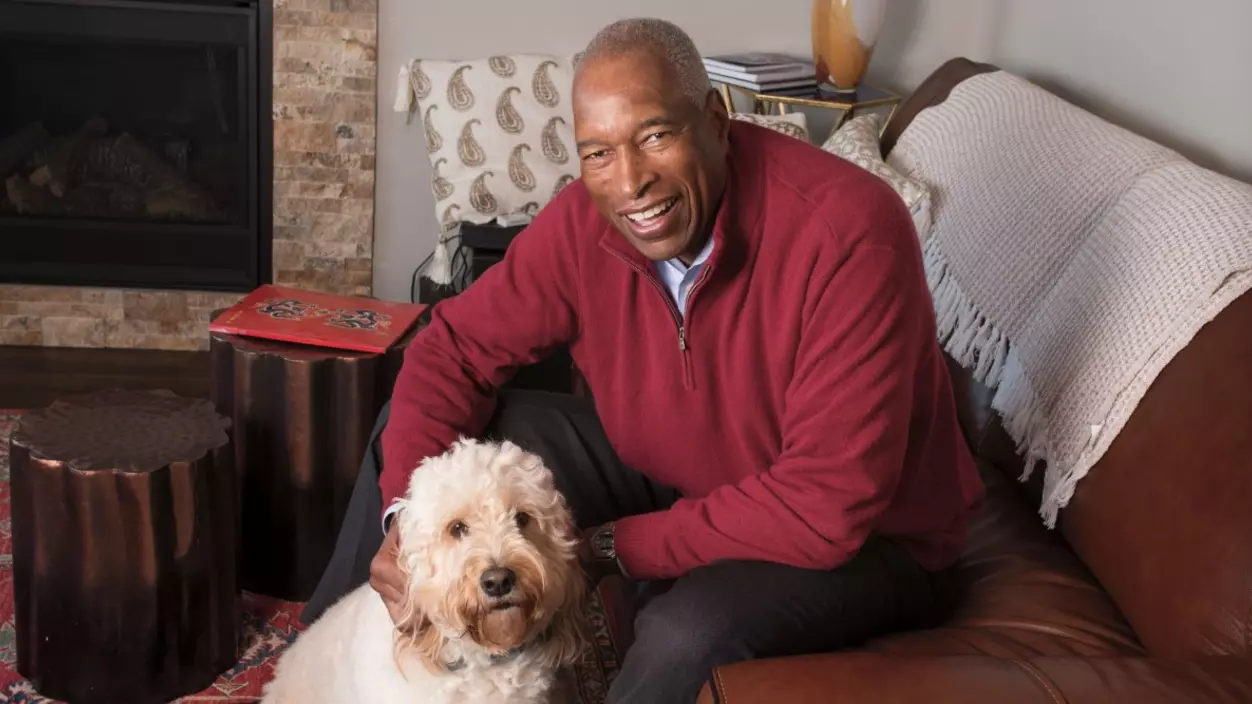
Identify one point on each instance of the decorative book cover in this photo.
(319, 319)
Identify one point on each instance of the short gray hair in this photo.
(659, 38)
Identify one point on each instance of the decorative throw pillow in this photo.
(857, 141)
(499, 133)
(794, 124)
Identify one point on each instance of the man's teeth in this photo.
(652, 212)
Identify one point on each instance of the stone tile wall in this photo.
(325, 97)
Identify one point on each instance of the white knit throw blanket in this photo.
(1069, 261)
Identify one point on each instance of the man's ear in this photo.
(718, 113)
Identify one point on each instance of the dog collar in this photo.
(499, 658)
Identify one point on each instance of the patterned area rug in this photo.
(269, 626)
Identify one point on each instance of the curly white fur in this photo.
(480, 506)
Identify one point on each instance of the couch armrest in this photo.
(886, 678)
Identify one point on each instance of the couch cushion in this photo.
(1025, 592)
(857, 141)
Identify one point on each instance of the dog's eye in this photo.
(523, 519)
(457, 530)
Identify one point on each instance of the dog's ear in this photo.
(414, 631)
(416, 634)
(569, 634)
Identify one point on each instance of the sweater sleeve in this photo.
(844, 436)
(518, 312)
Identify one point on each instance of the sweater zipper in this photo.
(688, 376)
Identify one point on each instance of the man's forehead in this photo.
(623, 94)
(629, 70)
(631, 94)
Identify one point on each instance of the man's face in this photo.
(654, 163)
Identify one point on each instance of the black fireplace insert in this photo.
(136, 143)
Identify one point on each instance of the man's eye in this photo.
(458, 530)
(656, 136)
(594, 155)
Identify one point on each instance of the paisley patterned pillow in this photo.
(499, 133)
(857, 141)
(794, 124)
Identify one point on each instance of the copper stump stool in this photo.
(125, 535)
(302, 421)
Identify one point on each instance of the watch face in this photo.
(602, 543)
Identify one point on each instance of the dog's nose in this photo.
(497, 581)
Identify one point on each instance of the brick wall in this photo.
(325, 87)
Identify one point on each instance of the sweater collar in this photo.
(737, 215)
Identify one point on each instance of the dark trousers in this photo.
(714, 615)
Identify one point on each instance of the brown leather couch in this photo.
(1142, 594)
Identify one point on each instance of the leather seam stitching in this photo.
(1041, 679)
(721, 687)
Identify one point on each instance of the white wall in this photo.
(1145, 64)
(1179, 73)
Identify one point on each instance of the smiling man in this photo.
(650, 167)
(773, 450)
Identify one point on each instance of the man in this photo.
(773, 443)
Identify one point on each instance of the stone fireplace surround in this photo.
(325, 98)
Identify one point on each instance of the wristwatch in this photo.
(602, 543)
(604, 549)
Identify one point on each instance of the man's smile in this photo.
(653, 221)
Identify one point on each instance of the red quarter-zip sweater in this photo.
(802, 403)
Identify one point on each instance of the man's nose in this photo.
(635, 175)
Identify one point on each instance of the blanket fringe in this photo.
(1023, 415)
(1058, 487)
(972, 340)
(980, 346)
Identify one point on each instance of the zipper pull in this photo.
(682, 339)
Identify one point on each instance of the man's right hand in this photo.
(385, 575)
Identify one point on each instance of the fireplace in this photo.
(136, 143)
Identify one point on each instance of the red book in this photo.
(319, 319)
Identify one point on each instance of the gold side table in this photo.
(822, 97)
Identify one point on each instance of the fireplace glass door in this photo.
(131, 143)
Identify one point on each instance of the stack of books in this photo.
(763, 72)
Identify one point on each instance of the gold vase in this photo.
(844, 34)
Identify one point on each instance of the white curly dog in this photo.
(495, 596)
